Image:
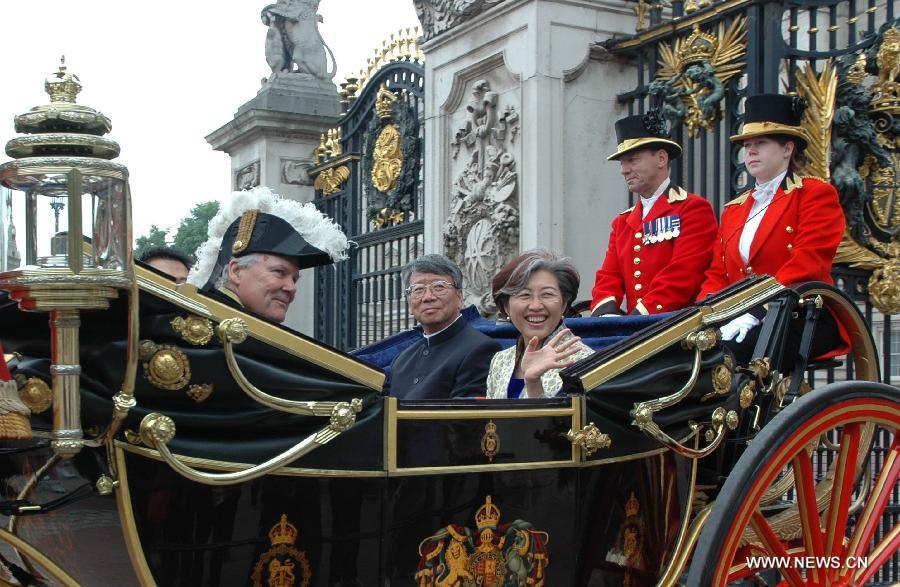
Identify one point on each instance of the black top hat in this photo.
(643, 131)
(259, 232)
(774, 114)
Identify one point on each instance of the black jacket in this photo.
(452, 363)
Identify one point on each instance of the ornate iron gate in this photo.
(843, 57)
(369, 179)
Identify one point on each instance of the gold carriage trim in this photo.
(193, 329)
(490, 442)
(165, 365)
(282, 565)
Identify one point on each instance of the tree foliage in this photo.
(153, 239)
(192, 230)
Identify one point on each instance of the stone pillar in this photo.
(272, 141)
(520, 105)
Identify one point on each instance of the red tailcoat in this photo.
(795, 242)
(661, 276)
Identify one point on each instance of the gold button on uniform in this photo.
(637, 260)
(637, 273)
(789, 229)
(638, 235)
(659, 306)
(637, 248)
(749, 269)
(638, 287)
(790, 246)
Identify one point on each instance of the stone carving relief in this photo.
(438, 16)
(294, 44)
(482, 230)
(295, 171)
(247, 177)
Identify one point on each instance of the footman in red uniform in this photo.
(658, 249)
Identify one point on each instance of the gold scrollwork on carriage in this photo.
(589, 438)
(490, 442)
(193, 329)
(165, 365)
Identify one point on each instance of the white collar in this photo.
(428, 336)
(647, 203)
(764, 192)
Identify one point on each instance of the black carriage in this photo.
(258, 456)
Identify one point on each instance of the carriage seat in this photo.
(597, 333)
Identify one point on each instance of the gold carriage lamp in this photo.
(62, 167)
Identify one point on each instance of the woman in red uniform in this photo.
(787, 226)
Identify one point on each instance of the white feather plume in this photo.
(319, 230)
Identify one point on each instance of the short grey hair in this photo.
(437, 264)
(515, 275)
(245, 261)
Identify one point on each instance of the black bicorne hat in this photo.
(643, 131)
(259, 232)
(774, 114)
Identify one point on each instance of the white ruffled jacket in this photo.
(504, 362)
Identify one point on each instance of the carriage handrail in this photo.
(157, 430)
(642, 413)
(233, 331)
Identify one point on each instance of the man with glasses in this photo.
(452, 358)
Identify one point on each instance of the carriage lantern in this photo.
(62, 166)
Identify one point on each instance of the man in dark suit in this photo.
(452, 358)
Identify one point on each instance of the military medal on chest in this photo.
(662, 229)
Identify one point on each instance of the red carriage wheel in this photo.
(740, 539)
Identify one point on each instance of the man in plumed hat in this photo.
(258, 244)
(659, 248)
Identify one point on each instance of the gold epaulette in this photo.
(676, 194)
(740, 199)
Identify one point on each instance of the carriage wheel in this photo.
(739, 528)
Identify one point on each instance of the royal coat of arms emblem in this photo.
(507, 555)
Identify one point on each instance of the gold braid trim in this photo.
(245, 231)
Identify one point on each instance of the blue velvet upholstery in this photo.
(597, 333)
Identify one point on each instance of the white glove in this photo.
(738, 328)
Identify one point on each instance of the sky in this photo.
(167, 74)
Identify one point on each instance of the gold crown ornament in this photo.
(488, 515)
(62, 86)
(283, 532)
(699, 47)
(384, 103)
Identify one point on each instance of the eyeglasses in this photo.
(546, 296)
(438, 288)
